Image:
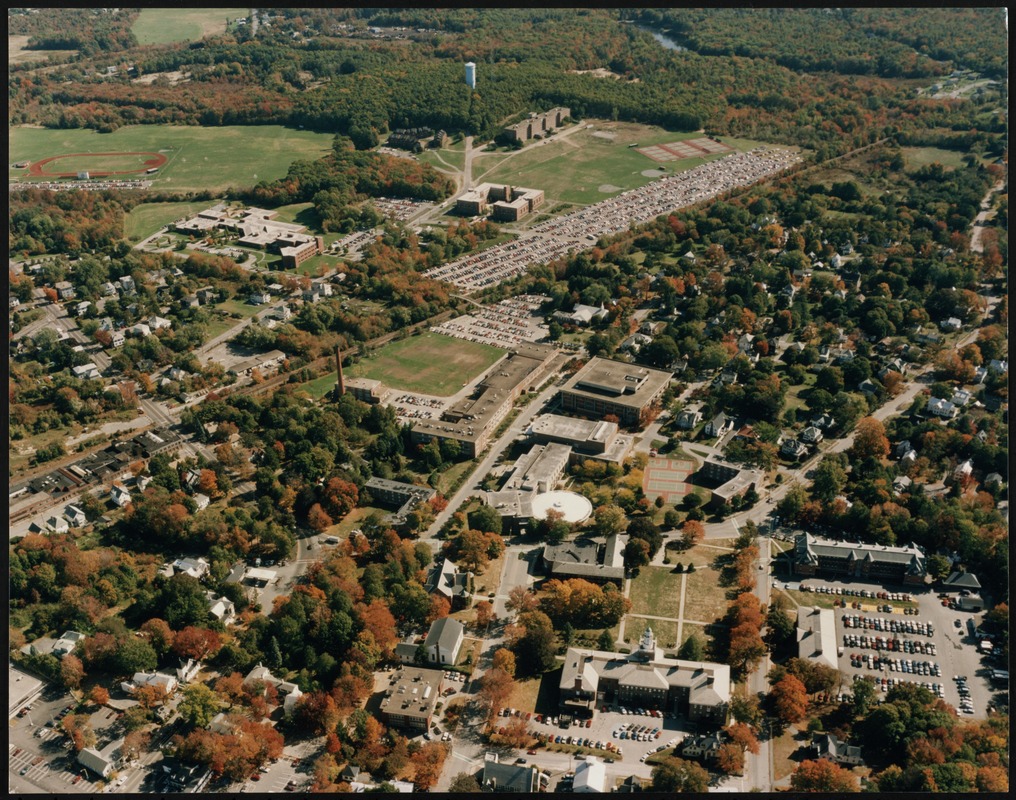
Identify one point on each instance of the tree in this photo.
(677, 775)
(790, 699)
(746, 709)
(160, 635)
(485, 519)
(318, 519)
(196, 643)
(863, 696)
(605, 642)
(692, 649)
(743, 736)
(730, 759)
(71, 671)
(485, 612)
(504, 660)
(427, 763)
(692, 533)
(135, 743)
(99, 695)
(822, 775)
(208, 482)
(608, 519)
(520, 600)
(199, 705)
(533, 643)
(496, 687)
(340, 497)
(464, 783)
(870, 440)
(78, 728)
(636, 554)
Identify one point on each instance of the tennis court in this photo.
(668, 478)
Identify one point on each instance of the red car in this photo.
(589, 723)
(255, 777)
(531, 752)
(77, 779)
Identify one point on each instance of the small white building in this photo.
(444, 641)
(101, 762)
(86, 372)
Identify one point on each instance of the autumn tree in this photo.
(199, 705)
(377, 618)
(318, 519)
(196, 643)
(870, 440)
(473, 549)
(504, 660)
(99, 695)
(159, 634)
(485, 612)
(340, 497)
(730, 759)
(208, 483)
(743, 736)
(71, 671)
(789, 699)
(822, 775)
(135, 743)
(464, 783)
(427, 764)
(79, 729)
(692, 532)
(520, 600)
(496, 687)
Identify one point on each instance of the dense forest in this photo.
(87, 30)
(306, 70)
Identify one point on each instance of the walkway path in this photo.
(680, 610)
(977, 231)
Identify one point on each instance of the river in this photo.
(666, 41)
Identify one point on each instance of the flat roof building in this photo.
(604, 387)
(410, 698)
(595, 439)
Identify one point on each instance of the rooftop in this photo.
(622, 383)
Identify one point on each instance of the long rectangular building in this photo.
(875, 562)
(603, 387)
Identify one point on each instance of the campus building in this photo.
(630, 392)
(402, 496)
(733, 481)
(472, 421)
(874, 562)
(508, 203)
(816, 635)
(646, 678)
(256, 227)
(588, 439)
(537, 125)
(410, 698)
(587, 560)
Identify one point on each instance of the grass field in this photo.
(199, 158)
(704, 599)
(167, 25)
(430, 363)
(237, 307)
(583, 168)
(145, 219)
(917, 157)
(665, 632)
(17, 52)
(656, 591)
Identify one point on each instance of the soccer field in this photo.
(166, 25)
(198, 158)
(592, 163)
(430, 363)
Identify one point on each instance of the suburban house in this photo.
(942, 408)
(826, 745)
(166, 682)
(221, 608)
(688, 419)
(444, 640)
(791, 448)
(449, 581)
(514, 778)
(703, 747)
(104, 761)
(119, 495)
(811, 435)
(288, 692)
(718, 425)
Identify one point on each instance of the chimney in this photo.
(340, 386)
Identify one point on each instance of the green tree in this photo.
(133, 655)
(464, 783)
(605, 642)
(199, 705)
(608, 519)
(693, 649)
(677, 775)
(485, 519)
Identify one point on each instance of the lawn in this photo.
(525, 694)
(145, 219)
(319, 387)
(656, 591)
(451, 475)
(665, 632)
(917, 157)
(238, 307)
(199, 158)
(583, 168)
(704, 599)
(168, 25)
(430, 363)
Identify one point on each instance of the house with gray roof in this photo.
(816, 635)
(104, 761)
(447, 580)
(515, 778)
(826, 745)
(960, 580)
(587, 559)
(444, 640)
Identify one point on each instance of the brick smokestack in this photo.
(340, 386)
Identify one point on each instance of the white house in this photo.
(57, 525)
(259, 298)
(195, 567)
(75, 516)
(119, 495)
(86, 372)
(158, 323)
(201, 501)
(167, 682)
(102, 762)
(942, 408)
(444, 640)
(590, 776)
(221, 608)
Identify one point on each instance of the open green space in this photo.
(199, 158)
(575, 166)
(917, 157)
(145, 219)
(656, 591)
(319, 387)
(704, 599)
(665, 632)
(237, 307)
(430, 363)
(167, 25)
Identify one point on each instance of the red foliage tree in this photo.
(196, 643)
(822, 776)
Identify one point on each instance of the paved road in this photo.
(471, 485)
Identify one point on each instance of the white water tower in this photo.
(470, 74)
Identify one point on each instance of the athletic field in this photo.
(196, 158)
(168, 25)
(430, 363)
(595, 161)
(667, 478)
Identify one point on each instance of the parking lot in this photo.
(889, 642)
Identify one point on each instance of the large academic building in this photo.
(630, 392)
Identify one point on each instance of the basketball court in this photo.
(668, 478)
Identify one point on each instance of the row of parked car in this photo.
(891, 625)
(907, 665)
(894, 645)
(902, 597)
(640, 733)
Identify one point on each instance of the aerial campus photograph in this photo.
(523, 400)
